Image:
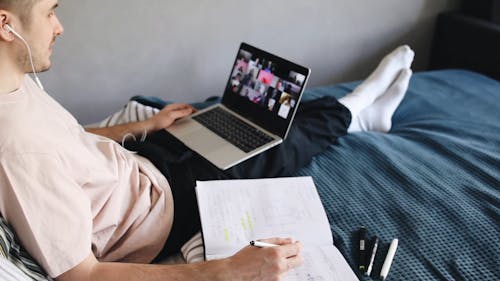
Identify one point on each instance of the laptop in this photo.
(256, 112)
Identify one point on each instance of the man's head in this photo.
(36, 22)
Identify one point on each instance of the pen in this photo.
(262, 244)
(362, 246)
(388, 259)
(372, 257)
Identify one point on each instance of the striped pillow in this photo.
(13, 252)
(132, 112)
(9, 272)
(193, 250)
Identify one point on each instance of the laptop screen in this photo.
(265, 88)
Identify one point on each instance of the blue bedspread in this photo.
(433, 181)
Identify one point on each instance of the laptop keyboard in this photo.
(233, 129)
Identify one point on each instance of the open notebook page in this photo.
(234, 212)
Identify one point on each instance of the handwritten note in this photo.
(234, 212)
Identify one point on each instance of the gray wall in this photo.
(183, 50)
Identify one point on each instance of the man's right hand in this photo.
(264, 264)
(249, 264)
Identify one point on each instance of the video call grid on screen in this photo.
(266, 83)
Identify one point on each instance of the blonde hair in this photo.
(22, 8)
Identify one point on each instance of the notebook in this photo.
(235, 212)
(258, 105)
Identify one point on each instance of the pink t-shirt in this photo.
(68, 193)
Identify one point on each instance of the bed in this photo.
(433, 182)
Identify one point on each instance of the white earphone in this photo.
(11, 30)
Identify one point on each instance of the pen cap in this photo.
(362, 238)
(389, 258)
(374, 242)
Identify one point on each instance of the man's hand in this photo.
(264, 264)
(249, 264)
(161, 120)
(167, 116)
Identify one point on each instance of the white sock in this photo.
(378, 116)
(379, 81)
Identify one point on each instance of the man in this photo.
(88, 209)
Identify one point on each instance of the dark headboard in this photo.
(484, 9)
(462, 41)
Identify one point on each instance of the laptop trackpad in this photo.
(205, 142)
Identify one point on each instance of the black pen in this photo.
(362, 249)
(372, 257)
(259, 244)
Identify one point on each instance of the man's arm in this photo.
(251, 263)
(161, 120)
